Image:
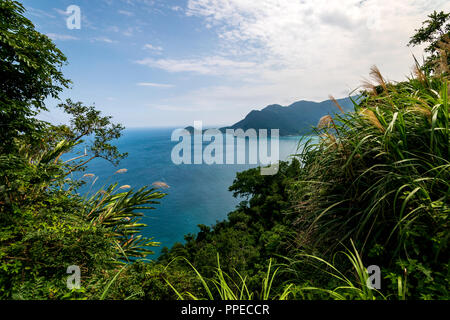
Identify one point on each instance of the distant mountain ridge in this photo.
(295, 119)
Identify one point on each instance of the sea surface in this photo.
(197, 194)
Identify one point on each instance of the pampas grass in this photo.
(325, 122)
(160, 184)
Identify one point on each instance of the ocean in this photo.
(197, 193)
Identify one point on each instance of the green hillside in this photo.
(295, 119)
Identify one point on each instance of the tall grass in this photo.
(344, 284)
(223, 287)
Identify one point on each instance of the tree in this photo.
(31, 65)
(45, 226)
(435, 32)
(30, 69)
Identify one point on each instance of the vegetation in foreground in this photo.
(374, 190)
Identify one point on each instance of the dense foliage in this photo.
(259, 229)
(375, 188)
(45, 225)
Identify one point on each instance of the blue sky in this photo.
(168, 63)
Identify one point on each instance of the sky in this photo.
(168, 63)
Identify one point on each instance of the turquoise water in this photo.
(198, 194)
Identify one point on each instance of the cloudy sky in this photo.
(168, 63)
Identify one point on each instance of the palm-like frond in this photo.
(121, 212)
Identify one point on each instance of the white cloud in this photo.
(104, 39)
(228, 104)
(173, 108)
(39, 13)
(152, 47)
(63, 37)
(114, 28)
(125, 13)
(214, 65)
(61, 12)
(155, 85)
(311, 33)
(222, 105)
(280, 51)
